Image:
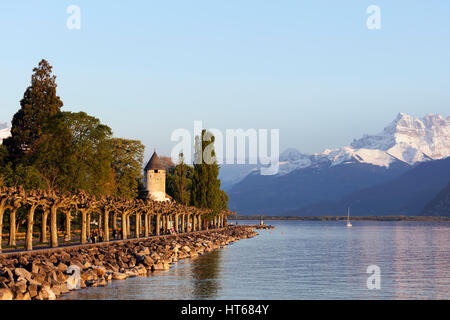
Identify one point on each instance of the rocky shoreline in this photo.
(47, 274)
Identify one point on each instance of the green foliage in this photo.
(74, 153)
(206, 191)
(39, 103)
(179, 182)
(26, 176)
(223, 200)
(66, 151)
(127, 158)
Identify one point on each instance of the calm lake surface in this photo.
(306, 260)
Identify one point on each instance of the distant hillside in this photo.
(405, 195)
(279, 195)
(440, 205)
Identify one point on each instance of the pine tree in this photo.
(206, 191)
(39, 103)
(182, 181)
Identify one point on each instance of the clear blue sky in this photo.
(310, 68)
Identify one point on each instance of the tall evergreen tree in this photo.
(206, 191)
(179, 182)
(39, 103)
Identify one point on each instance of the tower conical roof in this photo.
(154, 163)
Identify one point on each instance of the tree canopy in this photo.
(206, 192)
(128, 156)
(39, 103)
(72, 151)
(179, 182)
(66, 151)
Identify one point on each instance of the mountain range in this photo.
(439, 205)
(359, 175)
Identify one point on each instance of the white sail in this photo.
(348, 218)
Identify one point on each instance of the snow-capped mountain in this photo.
(5, 131)
(407, 139)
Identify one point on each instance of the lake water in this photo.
(306, 260)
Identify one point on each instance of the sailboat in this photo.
(348, 218)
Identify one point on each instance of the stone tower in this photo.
(155, 179)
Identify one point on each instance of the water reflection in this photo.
(306, 260)
(205, 276)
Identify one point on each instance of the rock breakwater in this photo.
(47, 274)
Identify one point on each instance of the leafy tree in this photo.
(66, 151)
(206, 191)
(74, 154)
(39, 103)
(127, 158)
(26, 176)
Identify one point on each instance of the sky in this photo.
(311, 69)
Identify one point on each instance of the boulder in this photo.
(62, 267)
(141, 270)
(186, 248)
(119, 276)
(160, 266)
(144, 252)
(7, 273)
(140, 258)
(6, 294)
(88, 275)
(19, 287)
(100, 271)
(148, 261)
(22, 296)
(33, 289)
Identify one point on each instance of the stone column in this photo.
(199, 218)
